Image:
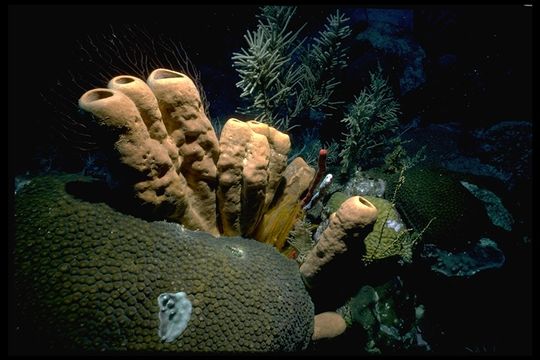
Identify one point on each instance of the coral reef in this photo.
(390, 316)
(301, 241)
(361, 184)
(335, 201)
(389, 235)
(99, 272)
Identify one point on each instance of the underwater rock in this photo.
(507, 146)
(473, 165)
(362, 185)
(442, 140)
(98, 273)
(502, 151)
(390, 316)
(391, 39)
(482, 256)
(403, 19)
(495, 209)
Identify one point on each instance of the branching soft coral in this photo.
(279, 77)
(372, 124)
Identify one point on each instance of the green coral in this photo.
(389, 236)
(88, 277)
(335, 202)
(372, 124)
(399, 159)
(435, 197)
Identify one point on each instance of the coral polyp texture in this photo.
(435, 197)
(173, 160)
(89, 277)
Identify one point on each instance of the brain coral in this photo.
(428, 193)
(88, 277)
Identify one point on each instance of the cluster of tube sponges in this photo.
(177, 165)
(232, 186)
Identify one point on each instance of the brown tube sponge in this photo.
(255, 181)
(280, 145)
(145, 101)
(243, 177)
(158, 183)
(190, 130)
(298, 175)
(328, 325)
(164, 134)
(345, 227)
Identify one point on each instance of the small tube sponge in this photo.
(174, 315)
(345, 228)
(328, 325)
